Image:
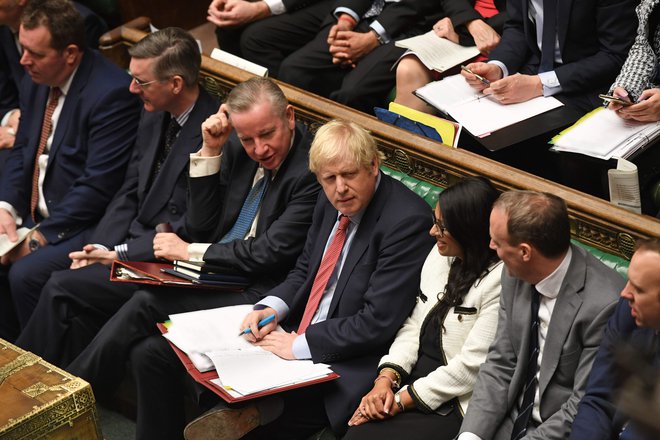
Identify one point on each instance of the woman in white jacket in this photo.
(424, 383)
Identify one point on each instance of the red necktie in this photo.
(46, 127)
(326, 268)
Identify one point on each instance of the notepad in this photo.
(7, 245)
(479, 114)
(437, 53)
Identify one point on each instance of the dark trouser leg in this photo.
(29, 274)
(74, 306)
(9, 327)
(267, 42)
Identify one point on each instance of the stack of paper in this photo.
(7, 245)
(479, 114)
(603, 134)
(239, 62)
(437, 53)
(210, 339)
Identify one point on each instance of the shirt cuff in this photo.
(12, 211)
(505, 71)
(380, 30)
(100, 247)
(196, 251)
(344, 10)
(468, 436)
(550, 83)
(301, 348)
(276, 6)
(276, 304)
(122, 251)
(204, 166)
(5, 118)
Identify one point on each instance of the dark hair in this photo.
(540, 219)
(60, 17)
(175, 52)
(465, 209)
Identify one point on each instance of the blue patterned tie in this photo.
(529, 391)
(248, 211)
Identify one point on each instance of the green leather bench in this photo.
(430, 193)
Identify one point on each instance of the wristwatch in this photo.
(397, 400)
(378, 36)
(33, 244)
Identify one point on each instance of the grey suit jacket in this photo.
(586, 300)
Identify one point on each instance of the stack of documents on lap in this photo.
(7, 245)
(604, 135)
(479, 114)
(437, 53)
(210, 339)
(239, 62)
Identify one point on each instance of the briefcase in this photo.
(39, 400)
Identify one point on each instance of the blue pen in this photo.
(261, 323)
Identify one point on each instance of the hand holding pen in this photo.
(258, 324)
(480, 75)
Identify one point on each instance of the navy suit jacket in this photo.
(594, 38)
(140, 204)
(11, 71)
(284, 217)
(597, 418)
(90, 150)
(374, 294)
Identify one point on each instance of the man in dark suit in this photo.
(345, 310)
(11, 71)
(251, 145)
(570, 49)
(555, 300)
(350, 59)
(165, 66)
(635, 323)
(71, 150)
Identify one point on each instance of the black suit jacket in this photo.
(138, 206)
(594, 38)
(375, 292)
(284, 216)
(11, 71)
(90, 150)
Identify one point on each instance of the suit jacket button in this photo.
(60, 235)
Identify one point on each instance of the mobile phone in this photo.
(615, 99)
(479, 77)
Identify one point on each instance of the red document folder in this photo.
(152, 273)
(205, 378)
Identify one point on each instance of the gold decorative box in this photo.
(41, 401)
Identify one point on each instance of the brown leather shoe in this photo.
(223, 424)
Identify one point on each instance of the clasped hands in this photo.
(234, 13)
(279, 343)
(377, 404)
(346, 46)
(510, 90)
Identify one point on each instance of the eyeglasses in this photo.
(143, 84)
(438, 224)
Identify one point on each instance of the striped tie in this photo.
(46, 128)
(248, 211)
(529, 391)
(326, 268)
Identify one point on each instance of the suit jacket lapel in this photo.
(361, 240)
(237, 191)
(147, 163)
(563, 13)
(568, 303)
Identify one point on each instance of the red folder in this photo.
(205, 378)
(152, 273)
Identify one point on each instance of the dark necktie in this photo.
(46, 128)
(248, 210)
(171, 133)
(326, 268)
(549, 36)
(529, 391)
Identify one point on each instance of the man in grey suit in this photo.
(555, 301)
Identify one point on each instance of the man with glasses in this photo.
(154, 191)
(78, 124)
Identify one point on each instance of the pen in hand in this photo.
(266, 320)
(479, 77)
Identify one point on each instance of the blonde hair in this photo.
(342, 141)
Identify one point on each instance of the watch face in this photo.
(33, 244)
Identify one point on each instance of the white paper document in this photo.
(7, 245)
(239, 62)
(604, 135)
(624, 186)
(437, 53)
(479, 114)
(210, 339)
